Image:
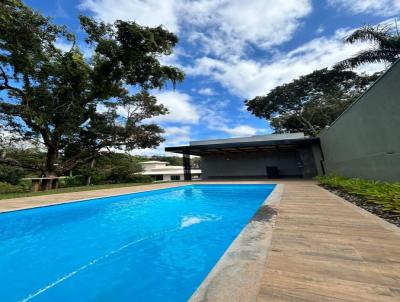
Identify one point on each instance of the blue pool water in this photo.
(150, 246)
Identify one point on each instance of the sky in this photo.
(232, 50)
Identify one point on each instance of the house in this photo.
(261, 156)
(363, 142)
(161, 171)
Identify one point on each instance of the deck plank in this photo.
(325, 249)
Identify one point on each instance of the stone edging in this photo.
(237, 275)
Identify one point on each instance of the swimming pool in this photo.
(151, 246)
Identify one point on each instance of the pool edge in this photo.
(79, 200)
(110, 195)
(237, 274)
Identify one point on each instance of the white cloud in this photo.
(320, 30)
(226, 28)
(206, 91)
(248, 78)
(181, 109)
(374, 7)
(144, 12)
(221, 27)
(63, 45)
(241, 130)
(174, 136)
(177, 135)
(66, 46)
(214, 118)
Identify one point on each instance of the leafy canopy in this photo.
(311, 102)
(78, 106)
(386, 45)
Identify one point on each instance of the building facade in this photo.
(161, 171)
(364, 141)
(257, 157)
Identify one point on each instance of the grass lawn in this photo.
(68, 190)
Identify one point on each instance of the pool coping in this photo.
(29, 202)
(238, 273)
(65, 202)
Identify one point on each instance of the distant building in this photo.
(161, 171)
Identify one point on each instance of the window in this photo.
(175, 177)
(158, 177)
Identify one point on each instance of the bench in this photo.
(44, 183)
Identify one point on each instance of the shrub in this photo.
(119, 174)
(11, 174)
(122, 174)
(98, 178)
(9, 188)
(73, 181)
(138, 178)
(385, 194)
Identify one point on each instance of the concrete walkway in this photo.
(323, 248)
(326, 249)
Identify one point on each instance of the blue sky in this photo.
(232, 50)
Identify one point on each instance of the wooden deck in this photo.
(323, 248)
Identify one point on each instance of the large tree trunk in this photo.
(51, 158)
(89, 177)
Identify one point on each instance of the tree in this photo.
(386, 49)
(311, 102)
(75, 106)
(112, 167)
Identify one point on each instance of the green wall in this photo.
(364, 141)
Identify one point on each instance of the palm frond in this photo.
(381, 35)
(369, 56)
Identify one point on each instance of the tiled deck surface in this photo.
(323, 248)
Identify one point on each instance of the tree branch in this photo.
(6, 85)
(13, 162)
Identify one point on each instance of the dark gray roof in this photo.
(243, 146)
(253, 138)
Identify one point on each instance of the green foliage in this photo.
(138, 178)
(386, 45)
(311, 102)
(9, 188)
(114, 168)
(73, 104)
(385, 194)
(72, 181)
(11, 174)
(25, 163)
(120, 174)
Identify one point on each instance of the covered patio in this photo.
(254, 158)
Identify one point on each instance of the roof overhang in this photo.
(240, 147)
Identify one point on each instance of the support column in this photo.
(307, 157)
(186, 167)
